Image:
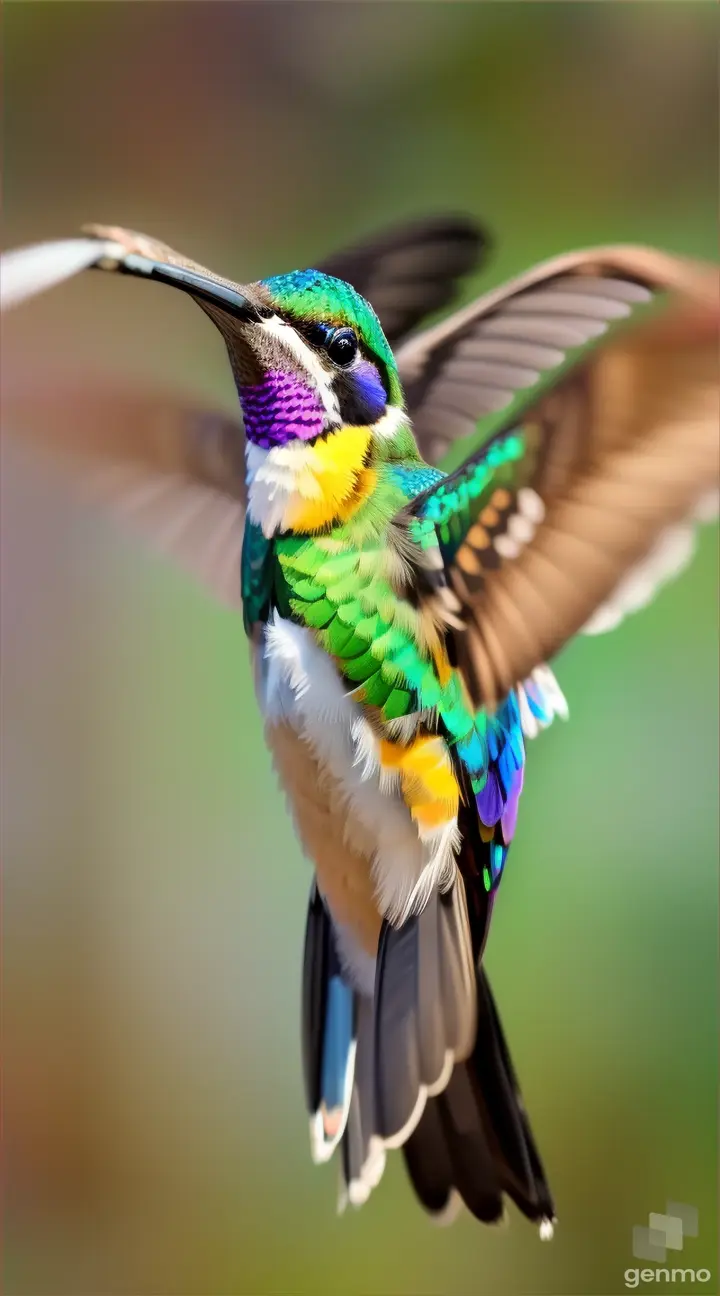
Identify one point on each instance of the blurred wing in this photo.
(568, 514)
(412, 270)
(171, 471)
(25, 272)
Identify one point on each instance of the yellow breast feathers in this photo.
(302, 487)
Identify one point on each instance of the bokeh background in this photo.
(154, 895)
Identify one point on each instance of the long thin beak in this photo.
(148, 258)
(202, 287)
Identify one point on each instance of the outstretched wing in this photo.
(411, 270)
(172, 471)
(508, 344)
(603, 368)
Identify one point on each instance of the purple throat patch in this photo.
(281, 409)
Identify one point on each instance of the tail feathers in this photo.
(425, 1010)
(329, 1033)
(474, 1142)
(408, 1037)
(423, 1066)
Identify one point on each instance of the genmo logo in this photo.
(665, 1233)
(633, 1277)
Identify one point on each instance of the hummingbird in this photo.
(401, 619)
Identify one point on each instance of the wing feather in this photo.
(170, 471)
(411, 270)
(572, 508)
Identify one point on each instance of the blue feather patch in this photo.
(369, 390)
(328, 1123)
(337, 1043)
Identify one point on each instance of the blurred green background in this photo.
(155, 897)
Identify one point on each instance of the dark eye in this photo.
(342, 346)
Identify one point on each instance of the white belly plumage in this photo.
(299, 686)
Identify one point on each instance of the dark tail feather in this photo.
(524, 1174)
(430, 1166)
(474, 1139)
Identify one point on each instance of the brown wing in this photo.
(412, 270)
(619, 442)
(507, 342)
(173, 471)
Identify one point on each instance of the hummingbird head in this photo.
(317, 381)
(321, 400)
(310, 359)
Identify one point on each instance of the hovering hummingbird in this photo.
(401, 619)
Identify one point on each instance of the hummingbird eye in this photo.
(342, 346)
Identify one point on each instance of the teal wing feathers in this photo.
(486, 487)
